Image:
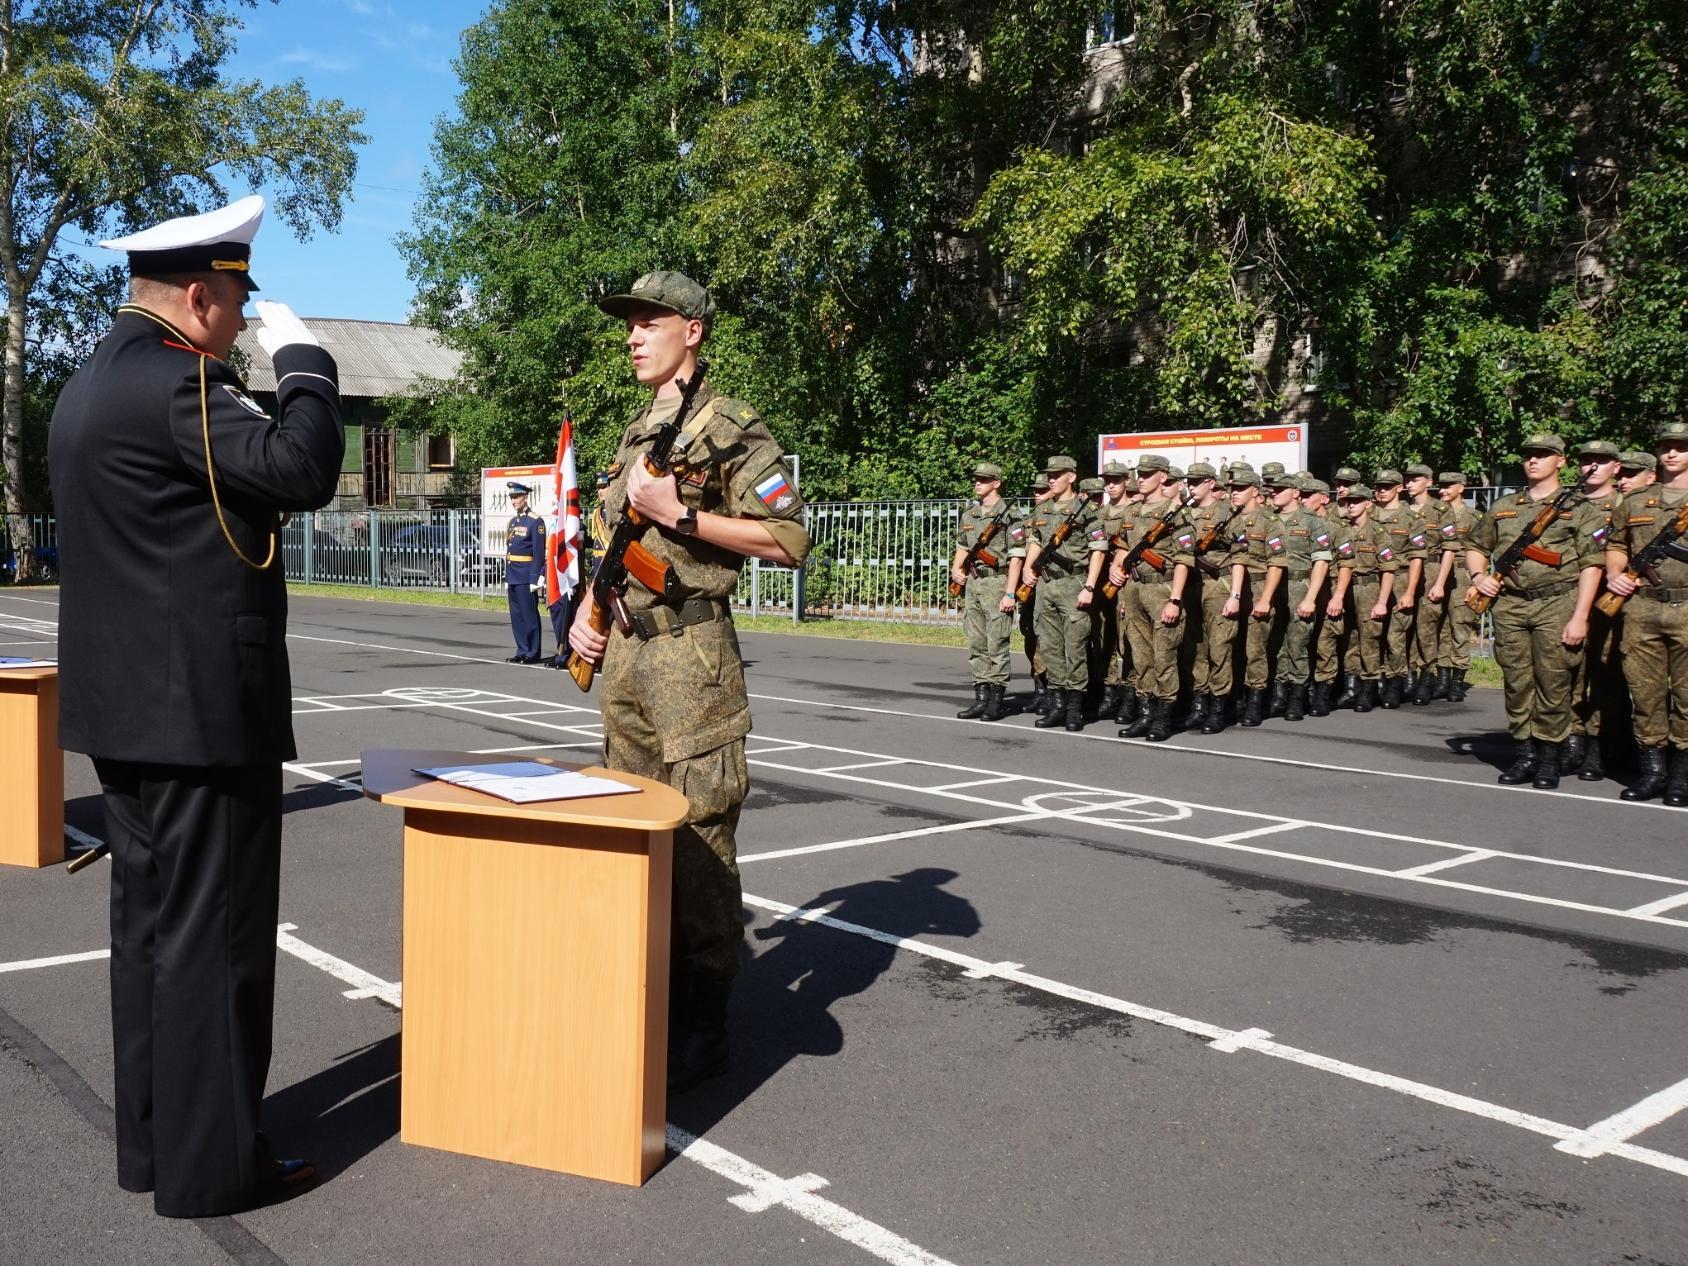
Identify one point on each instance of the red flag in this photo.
(562, 545)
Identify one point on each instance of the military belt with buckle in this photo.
(981, 570)
(673, 621)
(1670, 597)
(1541, 591)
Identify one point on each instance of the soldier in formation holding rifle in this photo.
(1064, 558)
(990, 550)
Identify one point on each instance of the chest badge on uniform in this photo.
(246, 402)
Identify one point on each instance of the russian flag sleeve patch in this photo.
(774, 490)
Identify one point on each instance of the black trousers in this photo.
(195, 888)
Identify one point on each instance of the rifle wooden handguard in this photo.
(582, 671)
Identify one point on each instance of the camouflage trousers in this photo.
(1459, 623)
(675, 710)
(1216, 649)
(1327, 646)
(1537, 669)
(1366, 633)
(1294, 656)
(1027, 618)
(1398, 629)
(1260, 634)
(1110, 650)
(988, 629)
(1655, 645)
(1155, 647)
(1427, 624)
(1063, 631)
(1600, 697)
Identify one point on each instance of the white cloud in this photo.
(328, 63)
(364, 9)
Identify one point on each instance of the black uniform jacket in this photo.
(171, 649)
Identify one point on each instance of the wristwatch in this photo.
(686, 524)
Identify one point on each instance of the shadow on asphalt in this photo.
(340, 1115)
(782, 1004)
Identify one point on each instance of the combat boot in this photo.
(1160, 720)
(1128, 705)
(1350, 691)
(995, 709)
(1075, 711)
(1056, 713)
(1280, 692)
(1214, 721)
(1040, 693)
(1387, 694)
(1365, 696)
(1198, 710)
(1676, 790)
(978, 707)
(1593, 766)
(1295, 701)
(1457, 686)
(1547, 766)
(1319, 704)
(1444, 684)
(1523, 766)
(1111, 698)
(1254, 709)
(1655, 774)
(697, 1038)
(1572, 752)
(1140, 723)
(1424, 690)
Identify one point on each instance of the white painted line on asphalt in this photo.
(1220, 1038)
(78, 836)
(363, 984)
(405, 650)
(978, 782)
(58, 960)
(41, 602)
(1448, 863)
(1140, 745)
(766, 1190)
(987, 970)
(37, 643)
(1259, 830)
(943, 829)
(305, 771)
(1603, 1136)
(866, 764)
(1671, 902)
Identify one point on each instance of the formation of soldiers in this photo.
(1153, 596)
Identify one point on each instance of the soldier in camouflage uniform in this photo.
(1408, 542)
(1326, 664)
(1066, 590)
(1655, 628)
(1343, 479)
(672, 689)
(1110, 629)
(1220, 587)
(989, 581)
(1448, 586)
(1636, 470)
(1430, 614)
(1027, 617)
(1259, 536)
(1366, 567)
(1541, 617)
(1600, 698)
(1307, 544)
(1153, 608)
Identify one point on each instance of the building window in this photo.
(379, 453)
(442, 452)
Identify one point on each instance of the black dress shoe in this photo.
(517, 659)
(559, 661)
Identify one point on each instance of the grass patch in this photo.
(405, 597)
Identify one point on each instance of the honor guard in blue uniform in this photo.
(171, 483)
(524, 574)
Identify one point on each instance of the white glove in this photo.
(537, 585)
(281, 328)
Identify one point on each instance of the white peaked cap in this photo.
(237, 222)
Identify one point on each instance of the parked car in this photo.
(46, 563)
(422, 555)
(331, 559)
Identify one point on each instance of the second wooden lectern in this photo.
(535, 969)
(31, 767)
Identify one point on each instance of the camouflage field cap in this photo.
(1242, 476)
(1279, 478)
(1543, 442)
(1148, 463)
(1174, 473)
(1632, 460)
(1271, 470)
(1093, 485)
(1131, 484)
(1040, 482)
(1311, 484)
(1359, 492)
(1201, 470)
(1384, 478)
(674, 291)
(1450, 477)
(1060, 466)
(1675, 433)
(1600, 450)
(1113, 468)
(987, 470)
(1346, 475)
(1418, 470)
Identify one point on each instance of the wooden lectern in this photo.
(535, 968)
(31, 768)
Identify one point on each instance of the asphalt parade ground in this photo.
(1312, 993)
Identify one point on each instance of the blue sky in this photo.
(391, 59)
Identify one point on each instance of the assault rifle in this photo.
(1035, 568)
(624, 559)
(1205, 542)
(979, 554)
(1144, 551)
(1645, 564)
(1506, 562)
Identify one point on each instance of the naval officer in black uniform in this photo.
(524, 574)
(168, 482)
